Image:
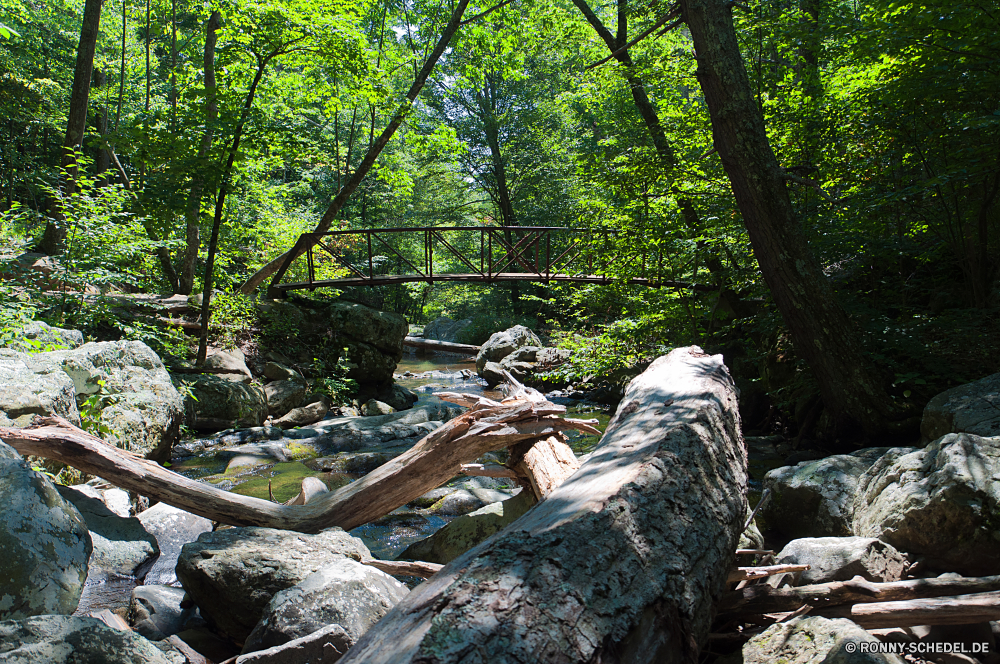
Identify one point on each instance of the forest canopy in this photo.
(838, 176)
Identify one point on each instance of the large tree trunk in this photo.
(824, 336)
(192, 215)
(374, 149)
(622, 563)
(54, 238)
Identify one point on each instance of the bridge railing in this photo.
(470, 253)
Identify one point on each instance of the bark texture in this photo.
(621, 563)
(824, 336)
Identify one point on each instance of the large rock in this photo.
(469, 530)
(223, 404)
(942, 502)
(368, 364)
(139, 404)
(343, 592)
(382, 330)
(304, 415)
(970, 408)
(398, 397)
(43, 337)
(44, 543)
(811, 639)
(246, 567)
(284, 395)
(27, 389)
(816, 498)
(324, 646)
(843, 558)
(73, 640)
(157, 612)
(502, 344)
(172, 528)
(121, 545)
(445, 329)
(374, 407)
(233, 361)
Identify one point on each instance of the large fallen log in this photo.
(765, 599)
(443, 346)
(954, 610)
(434, 460)
(622, 562)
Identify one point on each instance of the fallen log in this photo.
(749, 573)
(442, 346)
(765, 599)
(954, 610)
(546, 463)
(434, 460)
(623, 561)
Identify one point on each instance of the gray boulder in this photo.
(324, 646)
(843, 558)
(284, 395)
(139, 403)
(232, 360)
(547, 358)
(172, 528)
(44, 543)
(303, 415)
(942, 502)
(246, 567)
(466, 531)
(811, 639)
(816, 498)
(157, 612)
(27, 389)
(398, 397)
(502, 344)
(277, 371)
(367, 364)
(343, 592)
(970, 408)
(381, 330)
(445, 329)
(44, 335)
(121, 545)
(492, 373)
(375, 407)
(73, 640)
(224, 404)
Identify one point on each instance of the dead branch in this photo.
(741, 573)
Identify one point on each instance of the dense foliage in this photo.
(886, 115)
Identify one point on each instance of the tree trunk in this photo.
(622, 563)
(54, 238)
(192, 216)
(373, 150)
(824, 336)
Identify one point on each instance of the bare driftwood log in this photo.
(427, 465)
(403, 567)
(954, 610)
(445, 346)
(765, 599)
(742, 573)
(623, 562)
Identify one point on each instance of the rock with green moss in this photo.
(942, 502)
(812, 639)
(28, 389)
(469, 530)
(44, 543)
(74, 640)
(222, 404)
(816, 498)
(133, 395)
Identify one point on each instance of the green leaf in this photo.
(7, 32)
